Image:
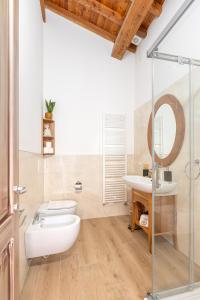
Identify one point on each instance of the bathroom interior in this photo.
(109, 153)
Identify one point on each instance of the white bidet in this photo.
(51, 235)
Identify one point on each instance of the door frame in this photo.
(9, 224)
(14, 139)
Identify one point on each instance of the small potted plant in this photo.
(50, 107)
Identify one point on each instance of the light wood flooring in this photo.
(108, 262)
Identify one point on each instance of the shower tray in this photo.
(189, 295)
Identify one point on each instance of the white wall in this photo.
(31, 75)
(85, 81)
(30, 111)
(182, 40)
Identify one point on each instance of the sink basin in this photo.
(144, 184)
(140, 183)
(167, 188)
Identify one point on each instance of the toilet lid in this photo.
(57, 205)
(61, 204)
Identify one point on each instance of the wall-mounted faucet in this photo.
(39, 218)
(150, 173)
(158, 175)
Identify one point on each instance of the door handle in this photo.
(19, 189)
(18, 209)
(191, 165)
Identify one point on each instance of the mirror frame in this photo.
(177, 108)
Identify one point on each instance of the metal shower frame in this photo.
(155, 54)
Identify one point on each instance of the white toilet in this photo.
(54, 230)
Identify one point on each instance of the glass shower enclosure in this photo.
(176, 174)
(174, 142)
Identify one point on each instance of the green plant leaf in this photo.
(47, 105)
(50, 105)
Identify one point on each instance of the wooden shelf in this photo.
(146, 229)
(48, 121)
(164, 217)
(48, 142)
(163, 233)
(48, 137)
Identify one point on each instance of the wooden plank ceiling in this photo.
(118, 21)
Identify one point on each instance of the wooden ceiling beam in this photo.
(79, 20)
(132, 22)
(132, 48)
(103, 10)
(142, 32)
(156, 9)
(42, 5)
(84, 23)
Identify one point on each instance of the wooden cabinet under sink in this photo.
(164, 215)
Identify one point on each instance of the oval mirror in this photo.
(169, 130)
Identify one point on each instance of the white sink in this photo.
(167, 188)
(144, 184)
(140, 183)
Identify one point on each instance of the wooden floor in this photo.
(108, 262)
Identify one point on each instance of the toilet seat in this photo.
(57, 207)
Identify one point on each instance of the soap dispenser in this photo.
(146, 170)
(168, 175)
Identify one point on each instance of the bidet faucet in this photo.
(38, 218)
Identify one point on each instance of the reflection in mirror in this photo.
(169, 130)
(164, 130)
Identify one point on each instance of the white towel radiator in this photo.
(114, 158)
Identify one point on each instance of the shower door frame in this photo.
(178, 15)
(153, 53)
(191, 284)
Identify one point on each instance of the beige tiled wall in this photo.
(32, 176)
(141, 154)
(61, 173)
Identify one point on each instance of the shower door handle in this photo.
(19, 190)
(192, 165)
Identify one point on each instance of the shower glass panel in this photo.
(195, 93)
(176, 180)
